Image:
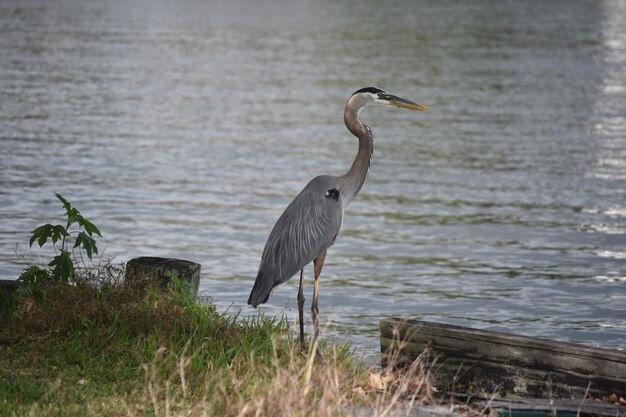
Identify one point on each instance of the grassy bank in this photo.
(111, 350)
(79, 342)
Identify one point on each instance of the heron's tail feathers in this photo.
(261, 290)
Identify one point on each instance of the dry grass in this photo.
(110, 350)
(291, 387)
(299, 385)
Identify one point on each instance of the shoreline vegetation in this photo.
(78, 340)
(99, 346)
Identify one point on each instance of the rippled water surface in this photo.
(183, 129)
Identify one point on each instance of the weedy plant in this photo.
(77, 229)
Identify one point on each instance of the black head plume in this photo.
(372, 90)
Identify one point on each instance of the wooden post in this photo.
(490, 362)
(151, 271)
(7, 288)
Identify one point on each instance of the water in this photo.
(183, 129)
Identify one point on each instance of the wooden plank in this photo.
(486, 361)
(549, 407)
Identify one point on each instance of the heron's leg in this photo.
(318, 263)
(301, 308)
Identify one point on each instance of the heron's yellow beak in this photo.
(406, 104)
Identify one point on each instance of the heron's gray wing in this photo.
(307, 227)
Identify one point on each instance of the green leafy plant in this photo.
(76, 228)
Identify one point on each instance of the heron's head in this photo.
(372, 96)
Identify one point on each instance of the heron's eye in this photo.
(333, 193)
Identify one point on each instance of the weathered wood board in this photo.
(546, 407)
(483, 361)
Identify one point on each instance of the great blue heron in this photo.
(310, 224)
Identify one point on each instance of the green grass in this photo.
(109, 349)
(89, 345)
(117, 351)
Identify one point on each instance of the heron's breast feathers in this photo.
(307, 227)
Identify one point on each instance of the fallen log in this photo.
(481, 361)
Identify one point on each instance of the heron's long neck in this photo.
(351, 182)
